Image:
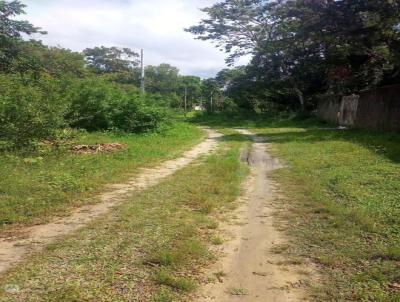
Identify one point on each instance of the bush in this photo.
(90, 104)
(171, 100)
(32, 110)
(96, 104)
(132, 116)
(29, 111)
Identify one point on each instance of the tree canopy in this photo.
(111, 59)
(302, 49)
(45, 89)
(11, 31)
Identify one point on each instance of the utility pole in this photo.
(185, 99)
(211, 101)
(142, 83)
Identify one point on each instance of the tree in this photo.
(254, 26)
(227, 76)
(239, 26)
(191, 85)
(36, 59)
(359, 40)
(212, 93)
(162, 79)
(302, 48)
(111, 59)
(11, 31)
(238, 85)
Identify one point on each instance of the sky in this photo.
(157, 26)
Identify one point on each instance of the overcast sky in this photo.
(155, 25)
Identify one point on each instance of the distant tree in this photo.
(11, 31)
(192, 85)
(212, 94)
(111, 59)
(236, 84)
(36, 59)
(163, 79)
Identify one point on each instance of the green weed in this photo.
(147, 249)
(343, 192)
(183, 284)
(32, 190)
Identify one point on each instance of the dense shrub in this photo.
(29, 110)
(132, 116)
(96, 104)
(32, 110)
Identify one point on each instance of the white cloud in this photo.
(155, 25)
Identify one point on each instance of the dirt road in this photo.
(250, 270)
(15, 249)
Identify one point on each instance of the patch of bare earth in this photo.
(94, 149)
(252, 268)
(15, 248)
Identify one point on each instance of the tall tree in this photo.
(36, 59)
(212, 94)
(162, 79)
(111, 59)
(11, 31)
(238, 26)
(254, 26)
(191, 86)
(301, 48)
(359, 40)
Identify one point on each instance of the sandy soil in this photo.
(16, 248)
(250, 270)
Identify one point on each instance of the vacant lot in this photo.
(148, 249)
(340, 207)
(34, 187)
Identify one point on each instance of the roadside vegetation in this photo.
(342, 186)
(53, 99)
(301, 51)
(38, 185)
(151, 248)
(45, 89)
(347, 188)
(342, 189)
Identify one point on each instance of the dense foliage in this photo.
(304, 49)
(96, 104)
(44, 89)
(28, 111)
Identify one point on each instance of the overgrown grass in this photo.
(148, 249)
(34, 187)
(343, 189)
(347, 184)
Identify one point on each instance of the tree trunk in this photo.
(300, 97)
(295, 87)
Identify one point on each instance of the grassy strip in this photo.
(149, 249)
(36, 187)
(343, 190)
(347, 184)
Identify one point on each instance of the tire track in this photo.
(14, 249)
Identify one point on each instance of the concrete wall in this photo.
(374, 109)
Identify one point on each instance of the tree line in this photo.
(303, 50)
(44, 89)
